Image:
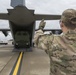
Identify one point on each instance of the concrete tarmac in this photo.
(33, 63)
(7, 59)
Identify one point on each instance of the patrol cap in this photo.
(69, 17)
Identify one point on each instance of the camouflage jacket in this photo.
(61, 50)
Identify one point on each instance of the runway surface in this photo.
(33, 63)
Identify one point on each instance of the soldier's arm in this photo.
(39, 32)
(42, 40)
(37, 36)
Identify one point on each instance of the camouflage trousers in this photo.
(56, 71)
(61, 74)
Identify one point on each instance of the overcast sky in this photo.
(40, 7)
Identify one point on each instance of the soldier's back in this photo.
(63, 54)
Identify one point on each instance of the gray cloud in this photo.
(51, 6)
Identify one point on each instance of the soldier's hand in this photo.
(42, 24)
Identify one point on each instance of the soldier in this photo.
(61, 48)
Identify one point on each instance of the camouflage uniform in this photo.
(61, 50)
